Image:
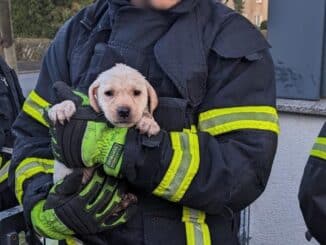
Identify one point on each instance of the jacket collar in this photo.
(180, 52)
(185, 6)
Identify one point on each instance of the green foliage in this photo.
(239, 6)
(263, 25)
(42, 18)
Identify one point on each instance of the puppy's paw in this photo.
(126, 201)
(62, 111)
(147, 125)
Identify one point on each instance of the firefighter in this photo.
(214, 77)
(312, 193)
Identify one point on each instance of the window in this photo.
(298, 48)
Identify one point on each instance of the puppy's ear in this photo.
(153, 100)
(92, 94)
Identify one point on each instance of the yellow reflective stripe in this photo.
(223, 111)
(321, 140)
(174, 165)
(319, 148)
(34, 107)
(28, 168)
(4, 172)
(38, 99)
(197, 231)
(183, 167)
(32, 112)
(190, 234)
(220, 121)
(72, 241)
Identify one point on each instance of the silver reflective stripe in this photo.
(6, 150)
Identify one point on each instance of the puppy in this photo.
(124, 96)
(126, 99)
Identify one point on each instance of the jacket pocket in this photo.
(160, 230)
(171, 114)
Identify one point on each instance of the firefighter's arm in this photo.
(30, 174)
(226, 161)
(312, 193)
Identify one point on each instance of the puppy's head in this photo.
(123, 95)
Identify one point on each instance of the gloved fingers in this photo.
(121, 199)
(107, 196)
(92, 189)
(74, 217)
(70, 184)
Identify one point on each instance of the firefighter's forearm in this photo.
(200, 171)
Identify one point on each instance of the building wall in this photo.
(255, 10)
(275, 218)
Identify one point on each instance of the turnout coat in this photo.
(214, 77)
(312, 193)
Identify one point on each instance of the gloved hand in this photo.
(87, 139)
(70, 209)
(90, 143)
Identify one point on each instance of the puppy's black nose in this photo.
(123, 112)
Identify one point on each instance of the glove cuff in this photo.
(112, 149)
(47, 224)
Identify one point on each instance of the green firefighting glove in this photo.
(70, 209)
(87, 139)
(81, 143)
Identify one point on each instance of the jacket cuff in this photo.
(36, 189)
(145, 159)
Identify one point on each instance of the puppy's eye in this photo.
(109, 93)
(137, 92)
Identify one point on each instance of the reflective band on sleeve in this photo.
(28, 168)
(197, 231)
(73, 241)
(34, 107)
(183, 167)
(224, 120)
(4, 172)
(319, 148)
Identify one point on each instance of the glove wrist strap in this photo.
(47, 224)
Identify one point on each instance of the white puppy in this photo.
(124, 96)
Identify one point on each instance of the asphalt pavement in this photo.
(28, 81)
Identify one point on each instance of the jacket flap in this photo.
(181, 55)
(239, 38)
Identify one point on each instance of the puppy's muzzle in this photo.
(123, 113)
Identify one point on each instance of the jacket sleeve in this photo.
(30, 174)
(223, 163)
(312, 193)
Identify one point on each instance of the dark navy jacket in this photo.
(312, 194)
(215, 79)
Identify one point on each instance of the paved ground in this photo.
(28, 66)
(27, 81)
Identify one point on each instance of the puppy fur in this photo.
(124, 96)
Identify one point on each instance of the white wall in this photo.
(275, 217)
